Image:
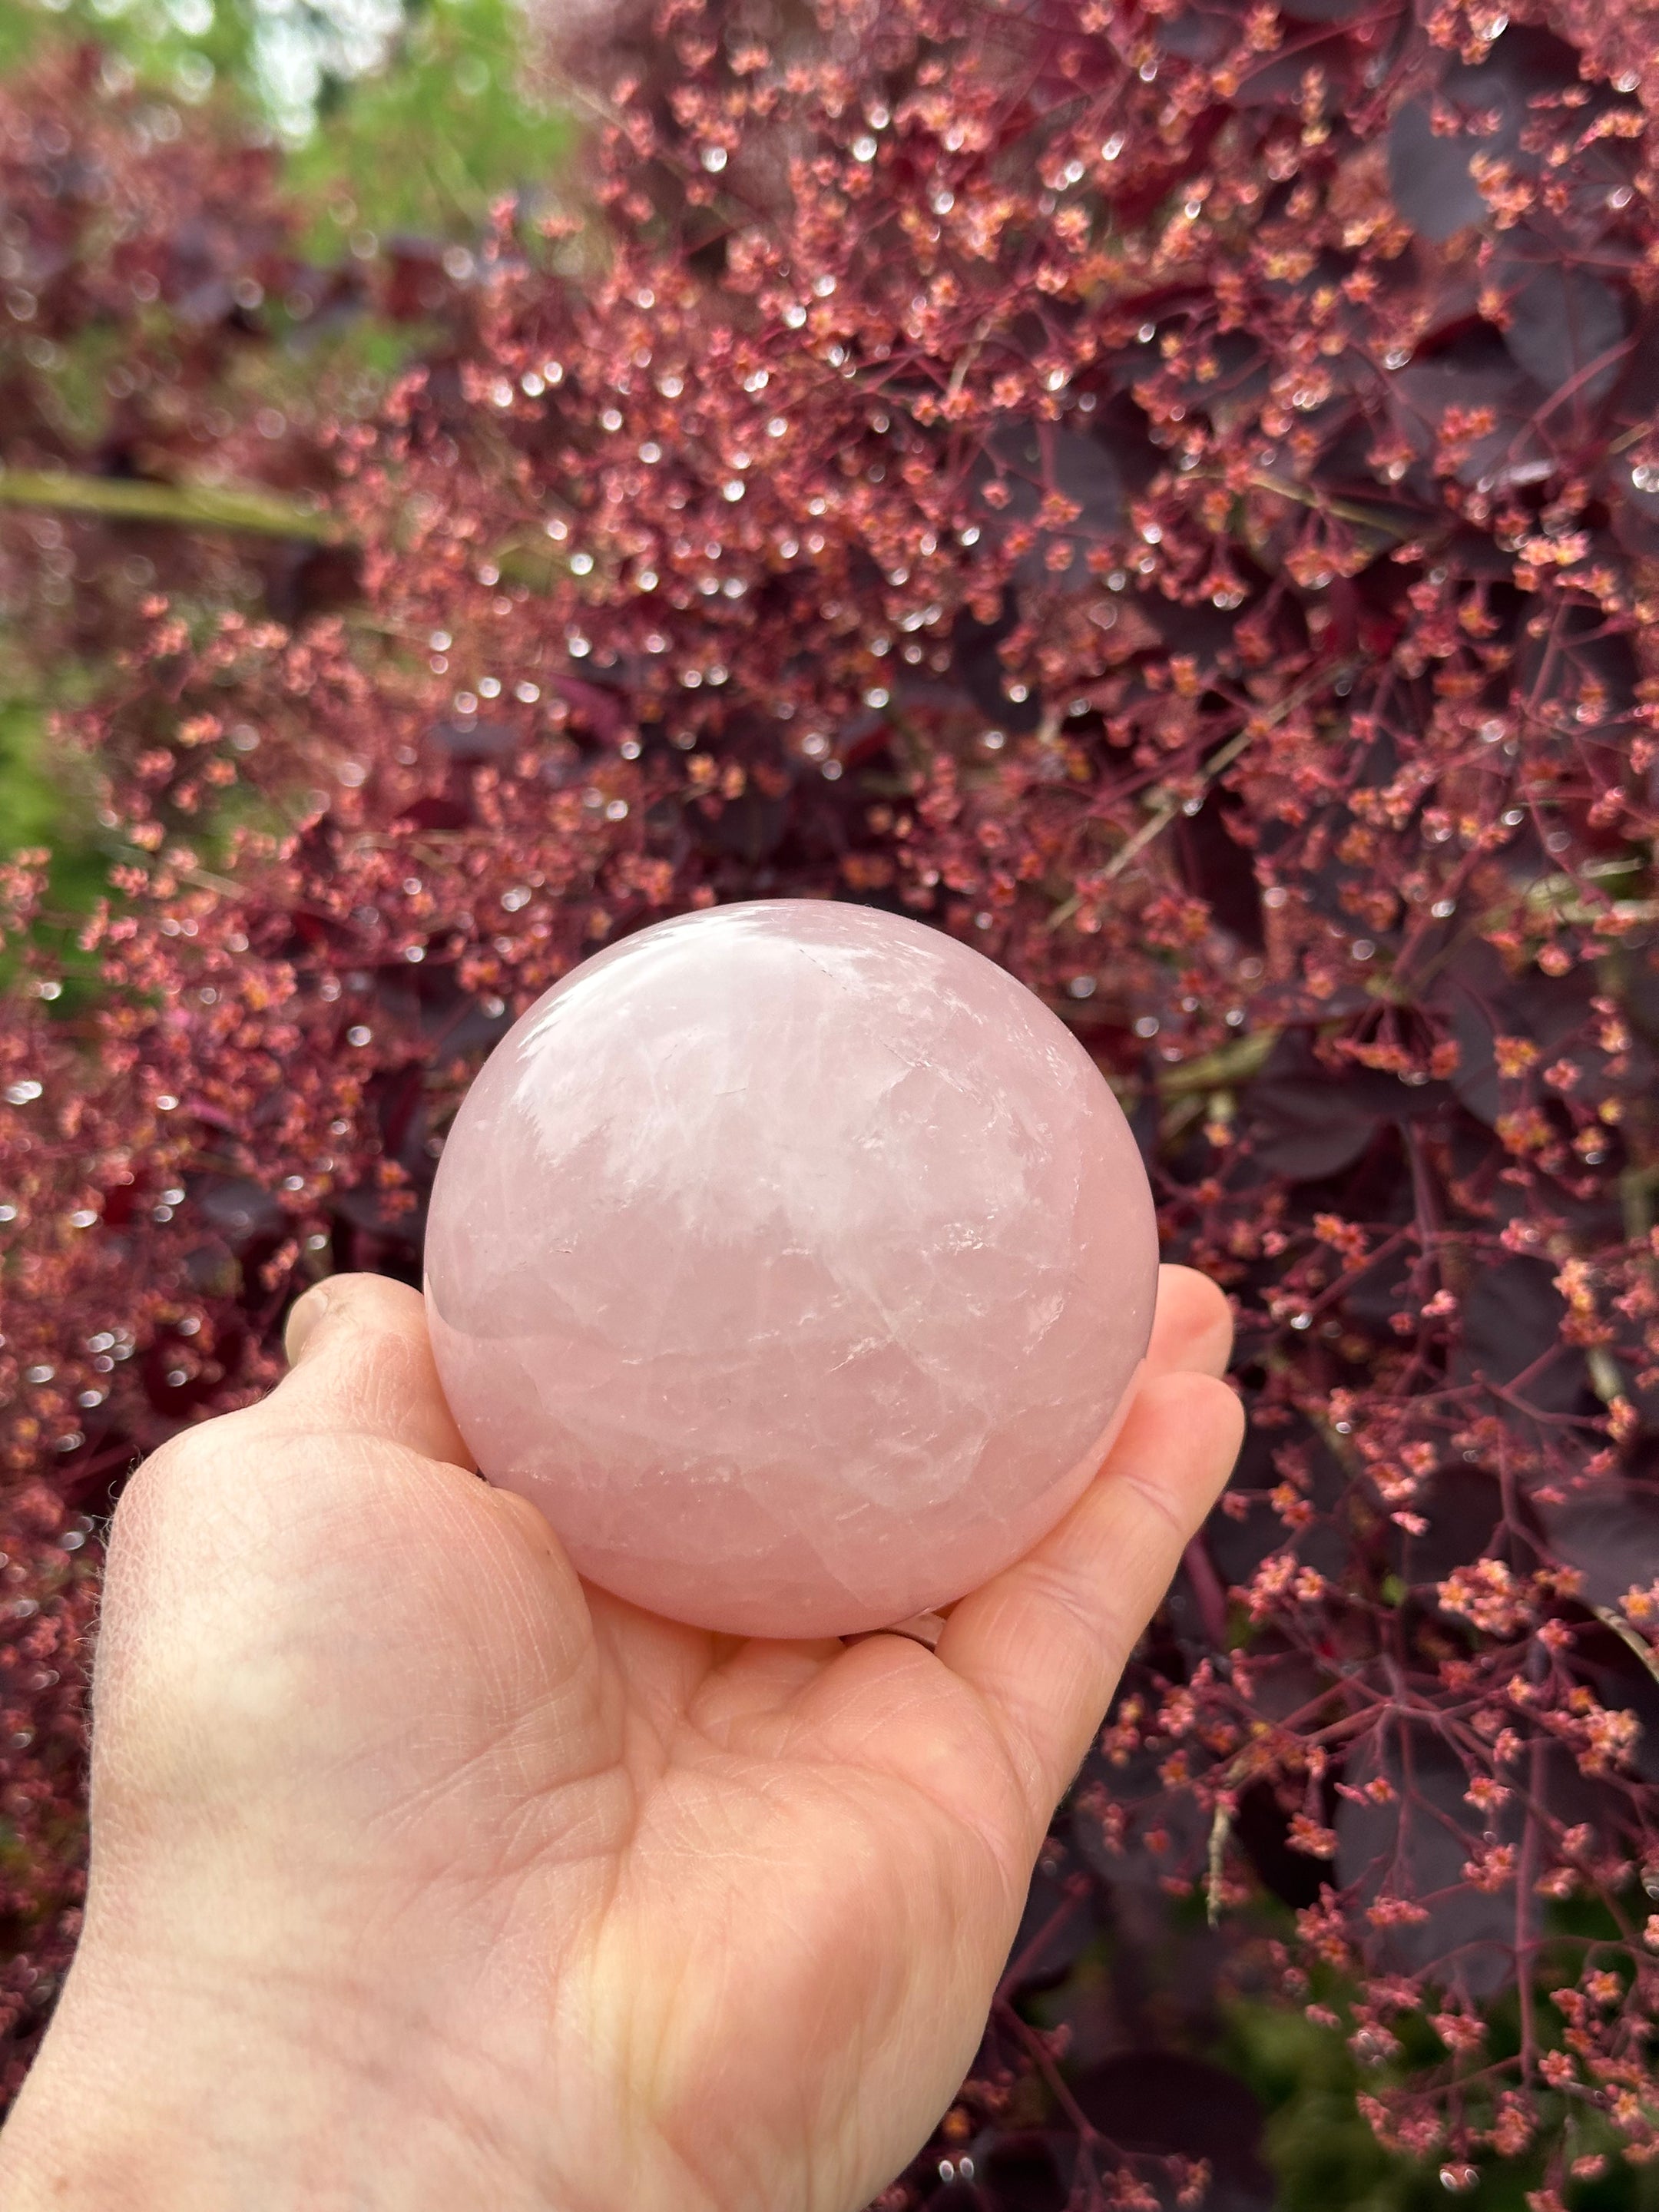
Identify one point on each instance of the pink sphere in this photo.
(796, 1261)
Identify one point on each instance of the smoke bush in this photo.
(1167, 493)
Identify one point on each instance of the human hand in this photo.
(425, 1875)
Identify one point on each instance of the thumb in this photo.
(360, 1363)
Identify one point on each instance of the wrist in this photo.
(199, 2105)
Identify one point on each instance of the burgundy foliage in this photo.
(1169, 494)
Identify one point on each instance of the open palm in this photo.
(504, 1893)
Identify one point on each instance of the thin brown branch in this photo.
(1257, 726)
(190, 507)
(1344, 510)
(1626, 1635)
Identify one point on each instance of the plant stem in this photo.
(192, 507)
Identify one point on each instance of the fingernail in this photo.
(303, 1317)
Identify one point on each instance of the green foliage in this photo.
(459, 113)
(425, 146)
(1321, 2151)
(1325, 2159)
(419, 148)
(41, 804)
(179, 48)
(29, 801)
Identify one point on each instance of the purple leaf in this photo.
(1511, 1324)
(1416, 1847)
(1428, 173)
(1162, 2104)
(1563, 321)
(1611, 1536)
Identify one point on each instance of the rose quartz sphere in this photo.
(796, 1262)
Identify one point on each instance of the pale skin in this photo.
(424, 1874)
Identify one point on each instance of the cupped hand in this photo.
(424, 1874)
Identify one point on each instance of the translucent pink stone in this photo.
(796, 1262)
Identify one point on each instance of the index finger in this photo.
(1044, 1641)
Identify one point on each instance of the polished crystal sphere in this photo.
(796, 1261)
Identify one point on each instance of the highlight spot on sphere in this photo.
(796, 1261)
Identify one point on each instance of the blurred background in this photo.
(391, 133)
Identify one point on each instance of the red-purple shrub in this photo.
(1170, 494)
